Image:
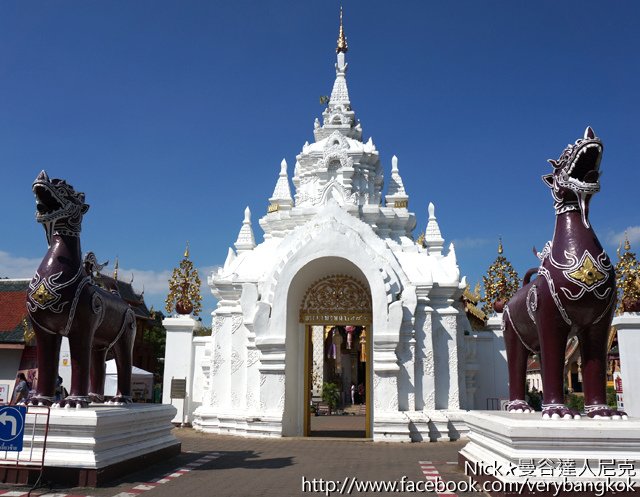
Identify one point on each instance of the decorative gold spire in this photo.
(115, 269)
(628, 279)
(184, 288)
(500, 283)
(342, 39)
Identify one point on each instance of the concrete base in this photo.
(88, 447)
(524, 446)
(209, 420)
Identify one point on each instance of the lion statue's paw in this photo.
(603, 411)
(558, 411)
(519, 407)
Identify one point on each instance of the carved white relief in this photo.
(252, 357)
(263, 379)
(236, 361)
(430, 400)
(453, 358)
(450, 323)
(236, 322)
(454, 399)
(235, 400)
(217, 323)
(281, 402)
(218, 361)
(428, 363)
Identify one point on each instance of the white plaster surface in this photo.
(179, 362)
(628, 326)
(500, 438)
(97, 436)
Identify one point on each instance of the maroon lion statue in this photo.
(63, 300)
(574, 294)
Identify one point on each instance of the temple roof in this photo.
(126, 291)
(13, 310)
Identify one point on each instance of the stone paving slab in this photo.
(220, 466)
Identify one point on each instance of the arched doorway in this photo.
(336, 315)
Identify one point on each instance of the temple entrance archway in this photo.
(328, 295)
(336, 314)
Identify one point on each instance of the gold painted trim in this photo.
(307, 380)
(369, 386)
(358, 319)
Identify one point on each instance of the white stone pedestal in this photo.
(513, 443)
(628, 326)
(178, 362)
(88, 447)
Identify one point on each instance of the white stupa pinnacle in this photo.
(432, 237)
(338, 115)
(281, 198)
(246, 240)
(396, 196)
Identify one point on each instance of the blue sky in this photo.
(172, 116)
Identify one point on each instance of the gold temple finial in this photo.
(115, 269)
(628, 279)
(342, 39)
(500, 283)
(184, 288)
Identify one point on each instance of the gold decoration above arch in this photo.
(336, 299)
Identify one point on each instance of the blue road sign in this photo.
(12, 427)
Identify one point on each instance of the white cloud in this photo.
(471, 242)
(153, 282)
(632, 232)
(17, 267)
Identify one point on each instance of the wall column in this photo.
(178, 362)
(628, 326)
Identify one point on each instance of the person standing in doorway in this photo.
(21, 392)
(353, 393)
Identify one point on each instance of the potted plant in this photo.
(331, 395)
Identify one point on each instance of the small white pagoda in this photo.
(336, 253)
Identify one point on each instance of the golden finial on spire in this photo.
(342, 39)
(184, 288)
(115, 269)
(500, 283)
(628, 279)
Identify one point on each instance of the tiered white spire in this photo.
(338, 166)
(338, 114)
(246, 240)
(432, 237)
(396, 196)
(281, 198)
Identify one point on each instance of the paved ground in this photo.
(221, 466)
(338, 426)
